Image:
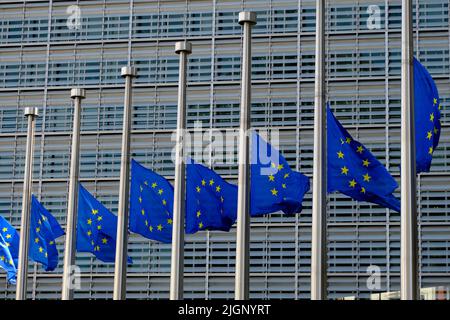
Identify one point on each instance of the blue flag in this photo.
(96, 228)
(9, 249)
(44, 229)
(210, 201)
(274, 186)
(427, 117)
(354, 171)
(151, 204)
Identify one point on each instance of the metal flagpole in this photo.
(177, 267)
(242, 281)
(22, 272)
(71, 231)
(408, 243)
(319, 205)
(120, 271)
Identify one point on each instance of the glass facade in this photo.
(41, 59)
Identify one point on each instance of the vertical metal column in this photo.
(177, 267)
(120, 271)
(319, 204)
(408, 242)
(72, 207)
(22, 272)
(242, 281)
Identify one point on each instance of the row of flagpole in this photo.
(409, 277)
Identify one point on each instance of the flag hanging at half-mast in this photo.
(274, 186)
(211, 202)
(354, 171)
(427, 117)
(9, 249)
(96, 228)
(44, 230)
(151, 204)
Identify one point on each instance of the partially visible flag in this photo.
(354, 171)
(44, 230)
(274, 186)
(97, 228)
(9, 249)
(211, 202)
(427, 117)
(151, 204)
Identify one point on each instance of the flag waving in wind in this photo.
(151, 204)
(211, 202)
(9, 249)
(96, 228)
(427, 117)
(274, 186)
(44, 230)
(354, 171)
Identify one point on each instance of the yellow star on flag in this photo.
(218, 188)
(367, 177)
(154, 185)
(363, 190)
(344, 170)
(274, 192)
(360, 149)
(203, 182)
(352, 183)
(429, 135)
(366, 163)
(160, 227)
(211, 182)
(271, 178)
(340, 155)
(104, 241)
(169, 221)
(432, 117)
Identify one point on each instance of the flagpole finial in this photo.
(78, 93)
(183, 46)
(247, 16)
(128, 71)
(31, 111)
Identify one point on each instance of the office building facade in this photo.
(48, 47)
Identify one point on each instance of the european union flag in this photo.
(427, 117)
(9, 249)
(44, 230)
(274, 186)
(151, 204)
(211, 202)
(354, 171)
(96, 228)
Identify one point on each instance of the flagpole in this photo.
(182, 48)
(120, 271)
(22, 271)
(408, 243)
(72, 206)
(319, 204)
(242, 282)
